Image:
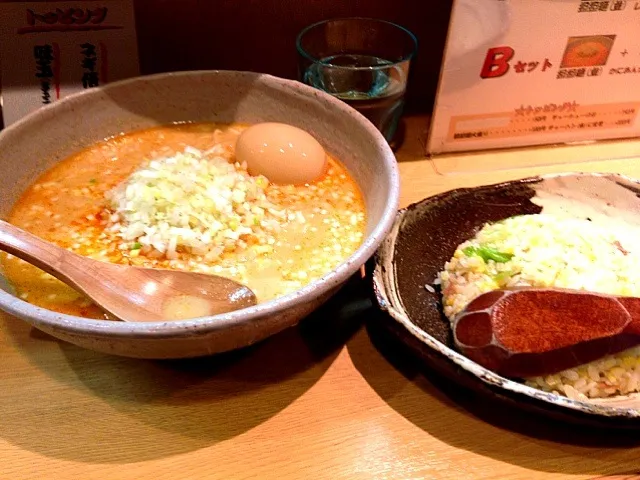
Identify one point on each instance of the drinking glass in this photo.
(362, 61)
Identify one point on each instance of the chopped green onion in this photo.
(488, 253)
(136, 246)
(93, 180)
(502, 278)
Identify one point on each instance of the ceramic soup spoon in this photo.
(132, 294)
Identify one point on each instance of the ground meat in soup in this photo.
(308, 230)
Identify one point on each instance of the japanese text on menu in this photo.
(93, 58)
(584, 57)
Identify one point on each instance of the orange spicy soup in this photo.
(105, 201)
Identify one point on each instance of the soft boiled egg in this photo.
(286, 155)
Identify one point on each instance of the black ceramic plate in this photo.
(425, 236)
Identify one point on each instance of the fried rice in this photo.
(548, 251)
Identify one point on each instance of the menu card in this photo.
(520, 73)
(49, 50)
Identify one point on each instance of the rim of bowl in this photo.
(349, 266)
(391, 303)
(312, 58)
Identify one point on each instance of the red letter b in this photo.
(497, 62)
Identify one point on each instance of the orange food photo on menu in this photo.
(589, 51)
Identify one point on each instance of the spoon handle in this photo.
(54, 260)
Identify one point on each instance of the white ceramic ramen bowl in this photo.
(47, 136)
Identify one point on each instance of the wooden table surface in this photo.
(319, 401)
